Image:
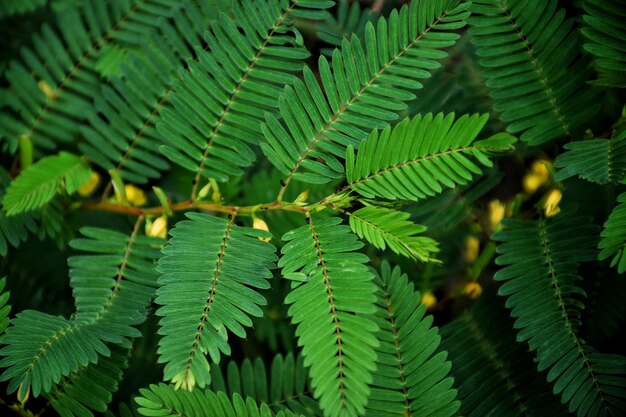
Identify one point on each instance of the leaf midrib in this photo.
(331, 301)
(95, 46)
(541, 74)
(209, 302)
(410, 162)
(547, 253)
(345, 107)
(233, 97)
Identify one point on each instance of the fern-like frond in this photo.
(209, 275)
(121, 132)
(113, 287)
(114, 282)
(411, 378)
(384, 227)
(366, 89)
(613, 242)
(283, 388)
(5, 307)
(540, 282)
(414, 159)
(90, 388)
(10, 8)
(38, 184)
(605, 38)
(217, 107)
(332, 299)
(57, 78)
(163, 400)
(40, 349)
(482, 347)
(530, 56)
(15, 230)
(602, 161)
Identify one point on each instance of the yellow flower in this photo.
(261, 225)
(135, 195)
(473, 289)
(158, 228)
(429, 299)
(538, 176)
(90, 186)
(472, 247)
(551, 206)
(496, 212)
(531, 183)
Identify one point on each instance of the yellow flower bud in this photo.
(261, 225)
(216, 197)
(302, 197)
(553, 198)
(538, 176)
(496, 212)
(135, 195)
(158, 228)
(539, 167)
(472, 247)
(531, 183)
(21, 395)
(204, 191)
(184, 380)
(429, 299)
(47, 90)
(473, 289)
(90, 186)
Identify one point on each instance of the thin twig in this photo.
(377, 7)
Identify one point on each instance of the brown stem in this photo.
(187, 205)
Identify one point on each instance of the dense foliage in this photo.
(312, 208)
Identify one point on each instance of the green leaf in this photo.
(219, 104)
(12, 8)
(541, 259)
(285, 387)
(369, 84)
(115, 281)
(90, 387)
(15, 230)
(39, 183)
(411, 376)
(39, 349)
(163, 400)
(113, 287)
(350, 18)
(605, 39)
(482, 347)
(55, 81)
(418, 156)
(530, 56)
(613, 243)
(384, 227)
(337, 300)
(602, 161)
(5, 307)
(210, 273)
